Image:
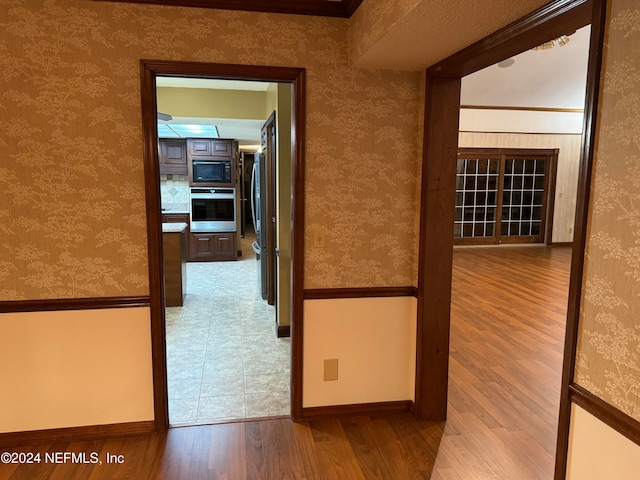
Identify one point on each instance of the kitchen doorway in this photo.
(243, 336)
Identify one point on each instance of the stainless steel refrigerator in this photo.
(259, 214)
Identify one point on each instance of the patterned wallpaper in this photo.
(372, 20)
(72, 215)
(608, 360)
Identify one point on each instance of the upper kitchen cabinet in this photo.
(204, 148)
(173, 156)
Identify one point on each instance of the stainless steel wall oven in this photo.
(213, 210)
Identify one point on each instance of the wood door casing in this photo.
(268, 144)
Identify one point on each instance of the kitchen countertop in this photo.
(169, 208)
(174, 227)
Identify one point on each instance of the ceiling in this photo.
(190, 82)
(553, 78)
(247, 132)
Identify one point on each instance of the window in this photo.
(504, 196)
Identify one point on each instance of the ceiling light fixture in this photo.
(562, 40)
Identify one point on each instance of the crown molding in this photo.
(323, 8)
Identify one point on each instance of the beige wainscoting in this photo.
(597, 452)
(75, 368)
(374, 340)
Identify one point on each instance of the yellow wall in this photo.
(73, 226)
(210, 103)
(283, 201)
(72, 216)
(597, 452)
(374, 340)
(75, 368)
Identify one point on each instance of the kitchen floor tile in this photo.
(223, 407)
(183, 410)
(268, 382)
(267, 404)
(224, 360)
(229, 383)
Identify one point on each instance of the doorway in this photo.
(151, 70)
(442, 104)
(509, 289)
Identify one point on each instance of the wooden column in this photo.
(442, 106)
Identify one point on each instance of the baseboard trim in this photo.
(284, 331)
(364, 292)
(57, 304)
(315, 413)
(608, 414)
(562, 244)
(74, 434)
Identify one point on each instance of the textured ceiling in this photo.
(428, 32)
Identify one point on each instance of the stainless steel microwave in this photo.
(211, 171)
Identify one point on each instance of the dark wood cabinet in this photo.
(174, 248)
(176, 218)
(208, 247)
(173, 156)
(208, 148)
(205, 246)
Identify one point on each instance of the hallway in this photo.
(508, 316)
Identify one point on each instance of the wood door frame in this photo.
(149, 70)
(442, 106)
(271, 160)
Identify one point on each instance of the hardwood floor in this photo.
(508, 315)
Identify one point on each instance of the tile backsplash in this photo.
(174, 189)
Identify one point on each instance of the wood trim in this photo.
(561, 244)
(57, 304)
(522, 133)
(542, 25)
(298, 7)
(316, 413)
(75, 434)
(526, 109)
(148, 103)
(350, 6)
(498, 152)
(550, 190)
(364, 292)
(284, 331)
(596, 51)
(297, 242)
(442, 105)
(149, 70)
(606, 413)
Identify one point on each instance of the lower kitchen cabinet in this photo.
(207, 247)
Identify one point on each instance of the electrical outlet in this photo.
(318, 238)
(330, 369)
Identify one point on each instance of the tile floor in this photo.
(224, 359)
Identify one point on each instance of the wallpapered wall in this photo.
(72, 216)
(608, 361)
